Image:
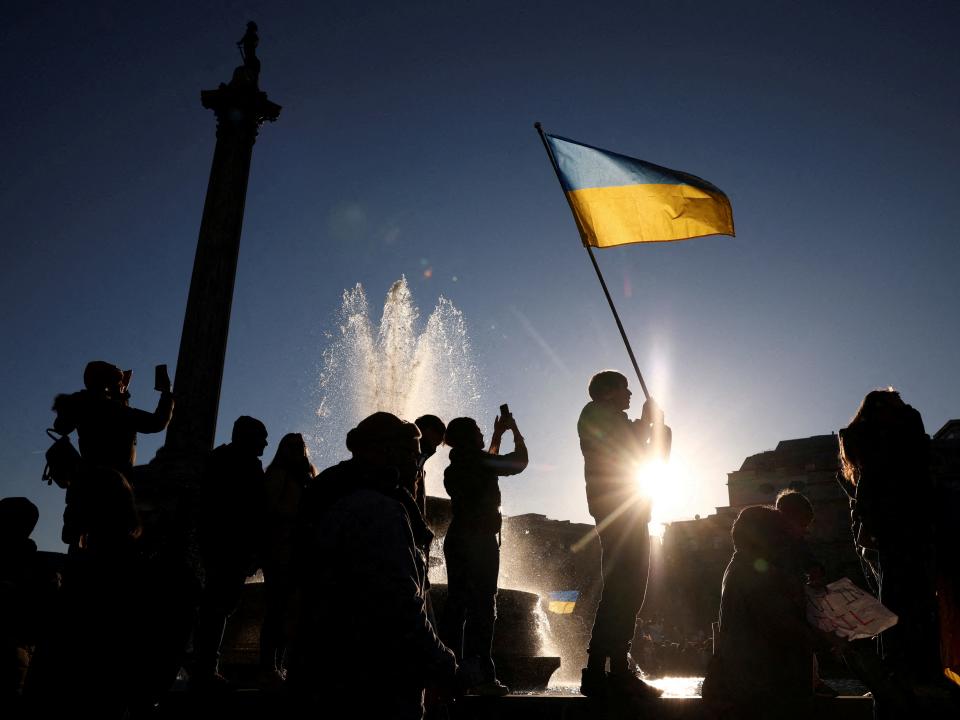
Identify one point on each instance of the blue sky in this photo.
(406, 142)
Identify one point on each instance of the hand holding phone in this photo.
(161, 379)
(506, 418)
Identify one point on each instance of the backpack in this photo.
(63, 460)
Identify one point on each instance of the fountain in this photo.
(393, 367)
(399, 368)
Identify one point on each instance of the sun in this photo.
(663, 482)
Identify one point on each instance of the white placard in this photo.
(846, 610)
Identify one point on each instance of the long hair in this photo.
(292, 456)
(461, 433)
(875, 404)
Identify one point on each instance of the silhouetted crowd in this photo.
(344, 555)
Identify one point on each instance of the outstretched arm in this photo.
(157, 421)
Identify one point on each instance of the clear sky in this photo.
(406, 143)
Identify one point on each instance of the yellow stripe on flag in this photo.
(611, 216)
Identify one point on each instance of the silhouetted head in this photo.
(292, 456)
(879, 406)
(104, 377)
(760, 532)
(249, 434)
(610, 386)
(882, 422)
(464, 433)
(383, 440)
(18, 518)
(432, 431)
(796, 508)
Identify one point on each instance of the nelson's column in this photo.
(165, 487)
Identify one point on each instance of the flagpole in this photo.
(603, 284)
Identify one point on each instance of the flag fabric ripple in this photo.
(618, 200)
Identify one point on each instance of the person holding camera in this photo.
(106, 425)
(471, 547)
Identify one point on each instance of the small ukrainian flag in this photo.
(563, 602)
(617, 200)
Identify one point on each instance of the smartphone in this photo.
(161, 380)
(504, 411)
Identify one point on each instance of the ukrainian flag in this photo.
(617, 200)
(563, 602)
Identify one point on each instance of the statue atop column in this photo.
(248, 51)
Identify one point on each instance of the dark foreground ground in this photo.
(253, 704)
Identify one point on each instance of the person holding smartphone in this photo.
(106, 425)
(472, 548)
(107, 428)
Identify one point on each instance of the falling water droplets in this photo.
(395, 366)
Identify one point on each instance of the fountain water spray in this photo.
(395, 366)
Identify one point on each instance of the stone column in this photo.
(240, 108)
(166, 489)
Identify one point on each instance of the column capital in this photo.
(240, 106)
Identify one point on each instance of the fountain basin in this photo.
(517, 644)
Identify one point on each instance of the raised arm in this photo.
(512, 463)
(157, 421)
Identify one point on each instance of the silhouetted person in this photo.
(613, 449)
(27, 590)
(765, 646)
(798, 511)
(106, 425)
(432, 431)
(285, 480)
(363, 577)
(884, 454)
(231, 530)
(472, 548)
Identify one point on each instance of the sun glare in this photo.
(664, 483)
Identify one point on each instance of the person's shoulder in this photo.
(70, 402)
(460, 457)
(599, 413)
(334, 474)
(219, 457)
(596, 408)
(588, 409)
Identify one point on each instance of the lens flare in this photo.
(664, 482)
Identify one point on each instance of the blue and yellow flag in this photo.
(563, 602)
(617, 200)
